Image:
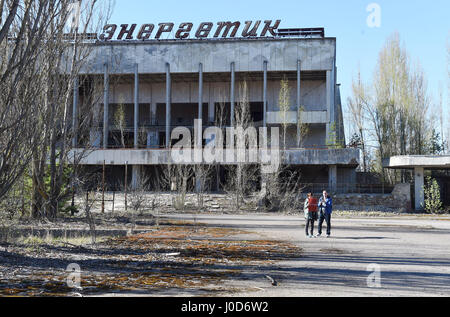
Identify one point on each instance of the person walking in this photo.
(310, 210)
(325, 211)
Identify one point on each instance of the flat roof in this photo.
(209, 40)
(413, 161)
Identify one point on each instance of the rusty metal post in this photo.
(113, 201)
(76, 85)
(103, 188)
(126, 183)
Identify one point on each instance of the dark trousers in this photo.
(327, 218)
(308, 223)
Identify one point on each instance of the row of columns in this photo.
(331, 80)
(169, 101)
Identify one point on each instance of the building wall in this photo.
(248, 56)
(216, 56)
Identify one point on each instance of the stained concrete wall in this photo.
(216, 56)
(348, 157)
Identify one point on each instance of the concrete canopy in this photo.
(419, 163)
(413, 161)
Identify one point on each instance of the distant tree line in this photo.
(394, 114)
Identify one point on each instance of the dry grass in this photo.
(181, 256)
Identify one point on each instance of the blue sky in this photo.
(424, 27)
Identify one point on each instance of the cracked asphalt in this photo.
(403, 255)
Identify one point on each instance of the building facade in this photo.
(147, 88)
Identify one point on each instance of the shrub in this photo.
(432, 192)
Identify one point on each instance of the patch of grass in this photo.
(332, 251)
(35, 241)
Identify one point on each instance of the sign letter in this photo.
(164, 27)
(124, 31)
(184, 30)
(145, 32)
(227, 26)
(108, 32)
(204, 30)
(248, 24)
(269, 28)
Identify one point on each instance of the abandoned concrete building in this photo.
(146, 88)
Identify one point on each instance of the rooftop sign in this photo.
(186, 30)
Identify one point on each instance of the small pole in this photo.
(114, 197)
(126, 180)
(103, 189)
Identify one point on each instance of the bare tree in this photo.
(120, 121)
(242, 177)
(138, 195)
(23, 34)
(282, 188)
(395, 115)
(358, 117)
(61, 59)
(448, 94)
(284, 104)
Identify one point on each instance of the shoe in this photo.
(328, 235)
(318, 235)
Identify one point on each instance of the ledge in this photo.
(342, 157)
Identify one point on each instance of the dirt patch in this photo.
(332, 251)
(185, 256)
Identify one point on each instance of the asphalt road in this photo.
(392, 256)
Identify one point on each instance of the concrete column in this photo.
(265, 94)
(232, 94)
(200, 107)
(152, 135)
(198, 185)
(95, 138)
(153, 113)
(331, 96)
(136, 172)
(200, 91)
(76, 87)
(136, 106)
(168, 104)
(211, 112)
(332, 178)
(299, 105)
(105, 106)
(418, 188)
